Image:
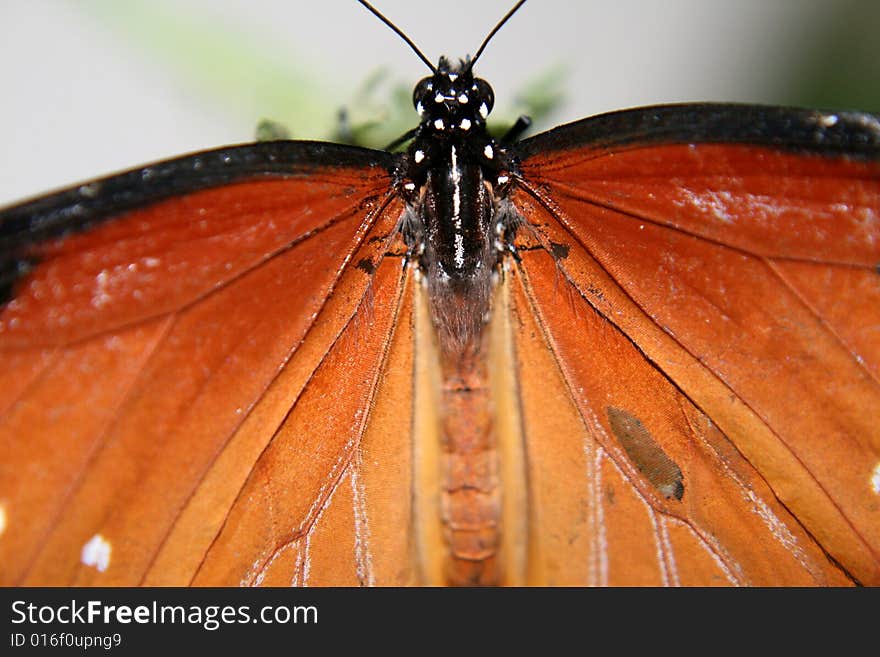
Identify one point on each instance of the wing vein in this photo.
(827, 327)
(367, 225)
(344, 461)
(303, 529)
(645, 218)
(96, 447)
(562, 221)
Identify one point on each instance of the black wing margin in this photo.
(82, 206)
(852, 134)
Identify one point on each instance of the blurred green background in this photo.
(95, 86)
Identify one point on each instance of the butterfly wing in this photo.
(209, 364)
(706, 282)
(158, 329)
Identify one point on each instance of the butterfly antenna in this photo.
(494, 30)
(400, 33)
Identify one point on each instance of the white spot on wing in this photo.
(715, 203)
(439, 124)
(875, 479)
(100, 296)
(465, 124)
(484, 110)
(2, 519)
(488, 152)
(96, 553)
(419, 156)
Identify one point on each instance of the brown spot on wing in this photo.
(645, 453)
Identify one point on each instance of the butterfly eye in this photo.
(482, 94)
(420, 93)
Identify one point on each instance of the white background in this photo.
(88, 89)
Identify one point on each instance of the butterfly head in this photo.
(452, 101)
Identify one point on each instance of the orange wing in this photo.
(232, 382)
(718, 341)
(188, 357)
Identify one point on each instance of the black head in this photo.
(452, 102)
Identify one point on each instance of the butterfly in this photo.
(638, 349)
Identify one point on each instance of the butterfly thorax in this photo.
(451, 171)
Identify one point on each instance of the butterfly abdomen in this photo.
(470, 497)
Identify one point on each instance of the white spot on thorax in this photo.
(875, 479)
(459, 250)
(502, 179)
(456, 192)
(456, 210)
(828, 120)
(96, 553)
(453, 77)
